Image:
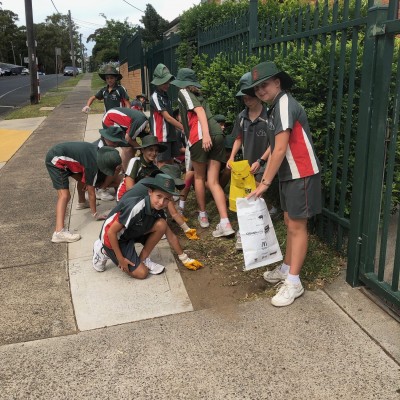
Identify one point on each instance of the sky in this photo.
(86, 13)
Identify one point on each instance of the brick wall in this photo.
(131, 80)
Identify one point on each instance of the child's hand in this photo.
(86, 109)
(192, 234)
(190, 263)
(207, 143)
(100, 216)
(254, 167)
(124, 265)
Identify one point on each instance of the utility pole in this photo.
(34, 97)
(72, 42)
(80, 42)
(12, 47)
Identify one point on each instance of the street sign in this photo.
(26, 60)
(58, 51)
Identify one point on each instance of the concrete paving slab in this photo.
(26, 124)
(33, 307)
(310, 350)
(113, 298)
(378, 324)
(46, 108)
(94, 122)
(11, 141)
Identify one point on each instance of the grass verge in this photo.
(52, 98)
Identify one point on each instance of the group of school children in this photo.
(272, 132)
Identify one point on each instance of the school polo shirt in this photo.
(188, 101)
(78, 158)
(132, 121)
(113, 98)
(254, 134)
(164, 131)
(135, 214)
(140, 168)
(300, 160)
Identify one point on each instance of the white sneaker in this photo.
(81, 206)
(203, 221)
(153, 267)
(103, 194)
(99, 257)
(163, 237)
(223, 230)
(276, 275)
(65, 236)
(287, 294)
(238, 244)
(273, 211)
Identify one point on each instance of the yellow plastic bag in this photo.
(242, 182)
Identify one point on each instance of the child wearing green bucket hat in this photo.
(206, 145)
(142, 166)
(294, 159)
(83, 162)
(163, 124)
(114, 94)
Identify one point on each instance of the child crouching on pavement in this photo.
(135, 220)
(83, 162)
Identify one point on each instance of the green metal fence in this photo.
(356, 46)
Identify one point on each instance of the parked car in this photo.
(25, 71)
(69, 71)
(7, 71)
(1, 71)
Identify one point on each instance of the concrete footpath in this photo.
(68, 332)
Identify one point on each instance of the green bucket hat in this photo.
(162, 182)
(161, 75)
(110, 70)
(115, 134)
(266, 70)
(174, 172)
(220, 118)
(244, 83)
(108, 159)
(186, 77)
(151, 140)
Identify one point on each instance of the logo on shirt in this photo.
(261, 132)
(270, 123)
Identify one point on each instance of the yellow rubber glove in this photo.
(190, 263)
(192, 234)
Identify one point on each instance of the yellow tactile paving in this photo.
(10, 141)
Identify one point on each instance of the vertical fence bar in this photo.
(307, 28)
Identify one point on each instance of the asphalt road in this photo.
(15, 90)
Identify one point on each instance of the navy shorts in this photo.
(128, 251)
(171, 152)
(301, 198)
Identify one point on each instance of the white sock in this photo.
(295, 279)
(224, 221)
(202, 214)
(182, 204)
(285, 268)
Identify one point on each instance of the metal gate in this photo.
(374, 242)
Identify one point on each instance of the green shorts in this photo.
(216, 153)
(59, 177)
(301, 198)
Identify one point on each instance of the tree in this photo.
(108, 38)
(11, 36)
(154, 26)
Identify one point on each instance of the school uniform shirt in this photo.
(112, 98)
(137, 217)
(188, 101)
(164, 131)
(254, 134)
(78, 158)
(132, 121)
(138, 168)
(300, 160)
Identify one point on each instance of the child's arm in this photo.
(92, 203)
(126, 103)
(235, 148)
(257, 165)
(171, 120)
(123, 262)
(129, 183)
(201, 115)
(86, 109)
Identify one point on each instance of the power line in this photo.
(86, 22)
(133, 6)
(58, 12)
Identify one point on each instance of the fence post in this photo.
(359, 204)
(253, 25)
